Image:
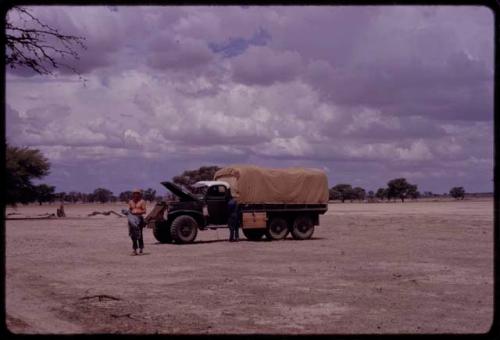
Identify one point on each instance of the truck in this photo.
(272, 203)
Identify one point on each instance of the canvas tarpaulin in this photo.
(252, 184)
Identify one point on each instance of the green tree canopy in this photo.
(125, 196)
(381, 193)
(44, 193)
(189, 177)
(22, 166)
(102, 195)
(345, 191)
(358, 193)
(457, 192)
(149, 194)
(400, 188)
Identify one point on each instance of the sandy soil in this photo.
(417, 267)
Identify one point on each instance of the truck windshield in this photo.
(200, 191)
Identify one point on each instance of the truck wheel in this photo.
(161, 232)
(184, 229)
(253, 234)
(277, 229)
(303, 228)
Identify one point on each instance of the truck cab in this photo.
(204, 207)
(216, 195)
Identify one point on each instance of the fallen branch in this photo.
(128, 315)
(100, 297)
(36, 217)
(106, 213)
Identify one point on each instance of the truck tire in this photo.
(277, 229)
(161, 232)
(253, 234)
(184, 229)
(302, 228)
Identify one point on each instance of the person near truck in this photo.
(233, 220)
(136, 208)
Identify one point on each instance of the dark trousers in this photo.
(138, 242)
(233, 231)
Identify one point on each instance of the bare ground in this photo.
(417, 267)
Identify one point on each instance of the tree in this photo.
(44, 193)
(33, 44)
(428, 194)
(334, 194)
(61, 196)
(345, 191)
(400, 188)
(189, 177)
(149, 194)
(125, 196)
(381, 193)
(74, 196)
(22, 166)
(457, 192)
(358, 193)
(371, 194)
(413, 192)
(102, 195)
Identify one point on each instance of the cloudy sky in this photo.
(365, 93)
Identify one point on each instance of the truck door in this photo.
(216, 199)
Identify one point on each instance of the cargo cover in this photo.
(252, 184)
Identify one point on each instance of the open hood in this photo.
(183, 194)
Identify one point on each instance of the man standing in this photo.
(137, 208)
(233, 220)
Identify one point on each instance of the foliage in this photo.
(44, 193)
(342, 191)
(400, 188)
(381, 193)
(22, 166)
(33, 44)
(149, 194)
(101, 195)
(189, 177)
(358, 193)
(125, 196)
(457, 192)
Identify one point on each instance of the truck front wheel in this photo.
(161, 232)
(253, 234)
(277, 229)
(302, 228)
(184, 229)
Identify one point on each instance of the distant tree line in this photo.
(24, 165)
(398, 188)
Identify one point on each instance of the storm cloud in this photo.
(367, 93)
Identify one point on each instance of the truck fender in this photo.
(197, 215)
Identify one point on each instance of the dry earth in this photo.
(417, 267)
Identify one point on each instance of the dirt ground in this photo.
(417, 267)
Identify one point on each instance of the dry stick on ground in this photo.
(106, 213)
(37, 217)
(100, 297)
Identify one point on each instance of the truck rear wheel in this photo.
(302, 228)
(184, 229)
(277, 229)
(253, 234)
(161, 232)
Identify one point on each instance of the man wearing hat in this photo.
(137, 207)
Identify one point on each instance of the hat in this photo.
(137, 190)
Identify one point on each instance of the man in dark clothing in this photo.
(233, 220)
